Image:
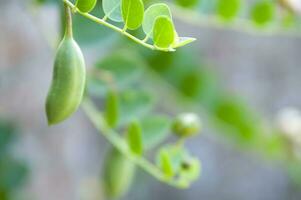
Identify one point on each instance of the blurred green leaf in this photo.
(124, 67)
(112, 108)
(236, 115)
(187, 3)
(155, 129)
(263, 12)
(134, 135)
(228, 9)
(165, 163)
(13, 173)
(121, 68)
(8, 133)
(134, 104)
(118, 174)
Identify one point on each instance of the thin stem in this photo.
(68, 21)
(111, 26)
(120, 144)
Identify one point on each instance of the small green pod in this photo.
(68, 82)
(118, 174)
(85, 6)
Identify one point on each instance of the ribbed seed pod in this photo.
(68, 81)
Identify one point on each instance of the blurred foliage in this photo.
(13, 172)
(128, 70)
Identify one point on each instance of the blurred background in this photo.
(243, 78)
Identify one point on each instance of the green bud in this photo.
(186, 125)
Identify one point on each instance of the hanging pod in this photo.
(68, 81)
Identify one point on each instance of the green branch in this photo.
(119, 143)
(115, 28)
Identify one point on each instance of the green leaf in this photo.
(112, 9)
(188, 3)
(228, 9)
(8, 133)
(165, 163)
(155, 129)
(134, 104)
(85, 5)
(132, 13)
(134, 134)
(118, 174)
(13, 173)
(182, 41)
(263, 12)
(150, 15)
(171, 159)
(122, 67)
(163, 32)
(234, 114)
(112, 109)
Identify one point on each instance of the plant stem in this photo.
(68, 21)
(120, 144)
(115, 28)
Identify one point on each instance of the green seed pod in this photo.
(186, 125)
(69, 76)
(85, 6)
(118, 174)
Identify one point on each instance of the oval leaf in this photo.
(165, 163)
(187, 3)
(118, 174)
(134, 104)
(155, 129)
(132, 13)
(112, 9)
(112, 109)
(154, 11)
(263, 12)
(85, 5)
(228, 9)
(135, 138)
(163, 32)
